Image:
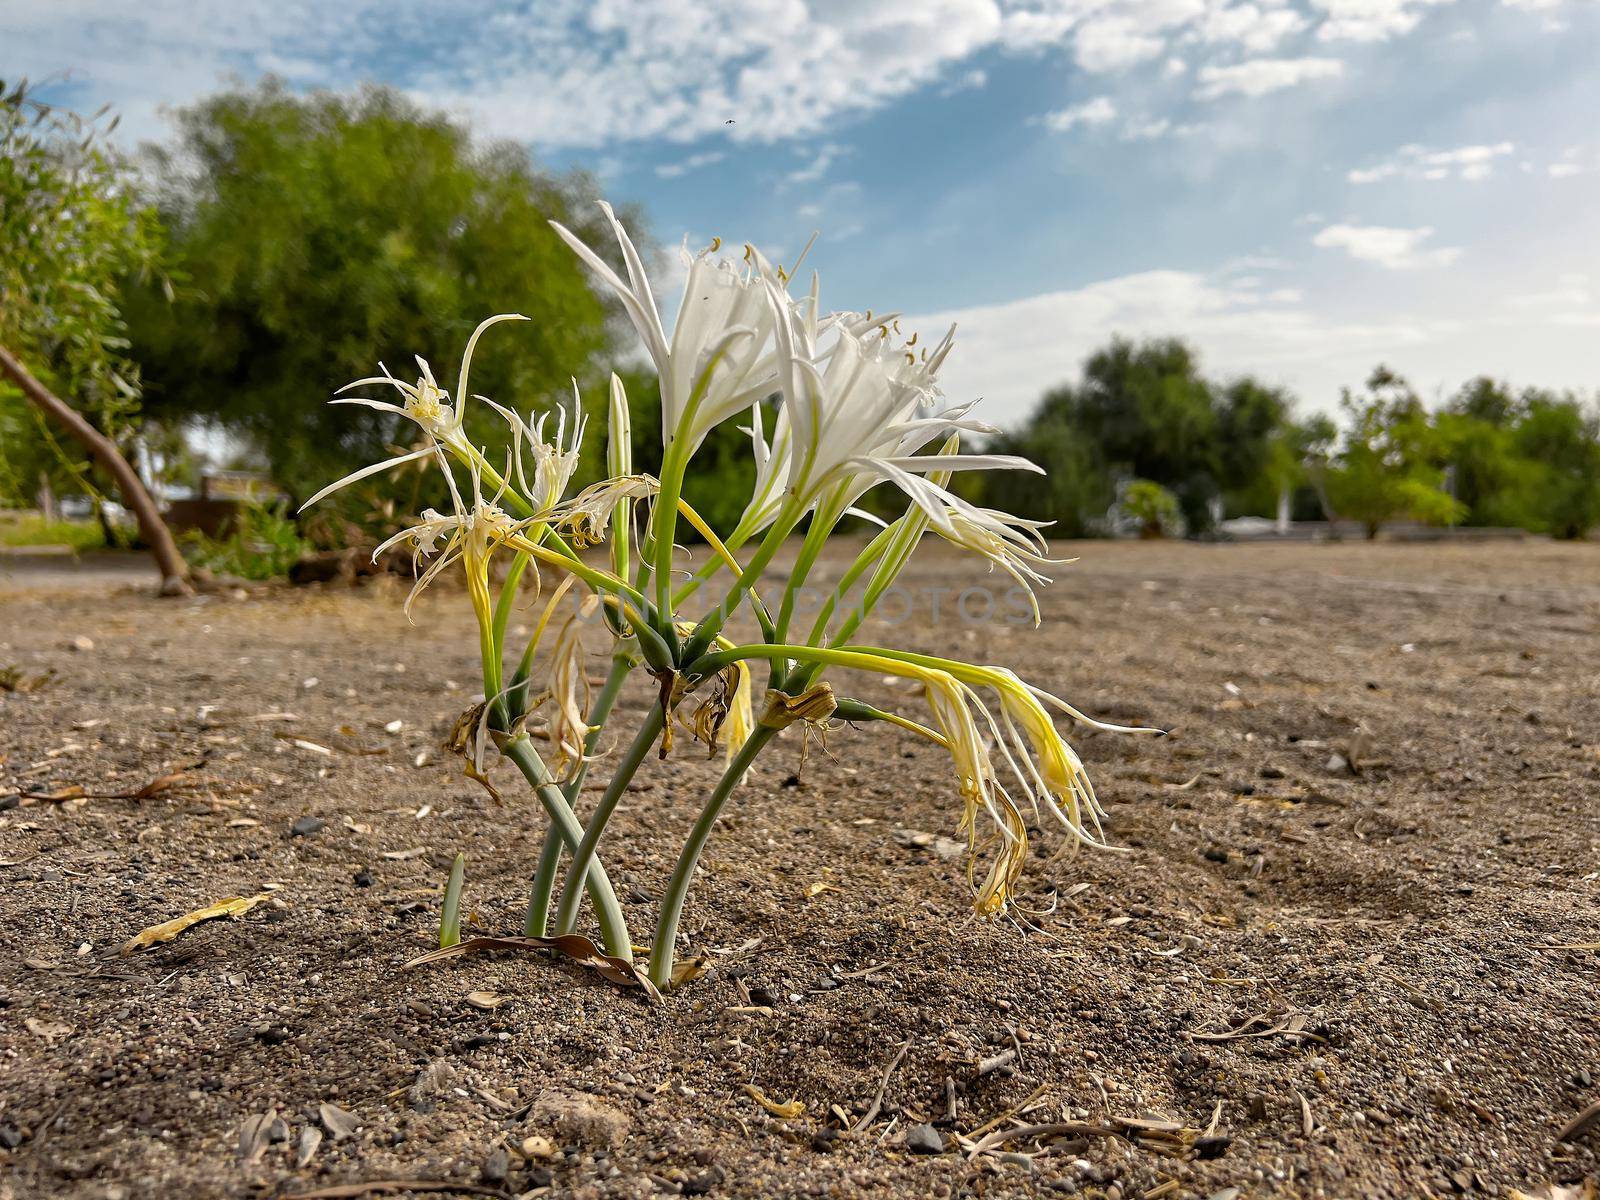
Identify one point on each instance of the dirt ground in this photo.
(1293, 979)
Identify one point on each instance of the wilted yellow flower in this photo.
(952, 703)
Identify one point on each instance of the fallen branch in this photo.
(883, 1084)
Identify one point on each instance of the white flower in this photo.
(855, 413)
(588, 514)
(1011, 543)
(469, 534)
(555, 461)
(426, 403)
(951, 703)
(716, 363)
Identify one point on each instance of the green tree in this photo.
(1559, 437)
(1258, 458)
(1477, 433)
(1143, 410)
(1388, 465)
(71, 233)
(319, 235)
(1151, 506)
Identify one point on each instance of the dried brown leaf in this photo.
(233, 906)
(788, 1110)
(48, 1030)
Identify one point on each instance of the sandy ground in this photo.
(1291, 979)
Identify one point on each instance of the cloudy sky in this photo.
(1301, 187)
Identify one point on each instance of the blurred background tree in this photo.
(73, 237)
(317, 235)
(1559, 438)
(72, 233)
(1144, 411)
(1152, 508)
(1390, 461)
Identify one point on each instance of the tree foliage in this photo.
(71, 234)
(1390, 459)
(319, 235)
(1145, 411)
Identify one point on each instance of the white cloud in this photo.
(1011, 353)
(1563, 170)
(965, 82)
(1149, 129)
(1115, 43)
(823, 158)
(1571, 290)
(1417, 162)
(1258, 76)
(1145, 129)
(693, 163)
(1104, 35)
(1091, 112)
(1370, 20)
(1258, 30)
(1387, 247)
(600, 73)
(559, 72)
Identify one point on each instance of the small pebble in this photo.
(699, 1185)
(924, 1139)
(495, 1167)
(306, 826)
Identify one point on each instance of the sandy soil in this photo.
(1293, 980)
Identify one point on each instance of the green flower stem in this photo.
(544, 876)
(502, 618)
(816, 538)
(572, 890)
(613, 926)
(734, 542)
(867, 558)
(674, 461)
(664, 522)
(834, 656)
(712, 624)
(907, 532)
(661, 954)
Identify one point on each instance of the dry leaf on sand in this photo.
(233, 906)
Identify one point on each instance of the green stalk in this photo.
(572, 890)
(502, 618)
(712, 624)
(619, 463)
(544, 876)
(868, 557)
(661, 954)
(450, 913)
(816, 538)
(664, 522)
(613, 926)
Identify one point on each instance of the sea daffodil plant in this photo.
(851, 405)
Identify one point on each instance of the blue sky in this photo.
(1303, 189)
